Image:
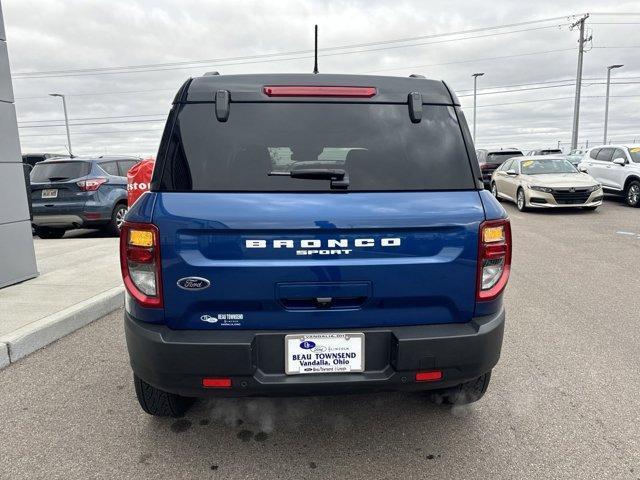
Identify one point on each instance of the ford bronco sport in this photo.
(311, 234)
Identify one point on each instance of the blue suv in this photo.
(313, 234)
(79, 193)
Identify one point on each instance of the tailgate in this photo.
(326, 260)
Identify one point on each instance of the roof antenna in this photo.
(315, 64)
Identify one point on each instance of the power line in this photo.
(544, 82)
(93, 123)
(103, 93)
(275, 59)
(546, 100)
(618, 46)
(472, 60)
(92, 133)
(288, 53)
(93, 118)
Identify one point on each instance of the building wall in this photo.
(17, 257)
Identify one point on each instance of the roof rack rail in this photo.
(415, 75)
(209, 74)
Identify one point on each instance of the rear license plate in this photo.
(51, 193)
(324, 353)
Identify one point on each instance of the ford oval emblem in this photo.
(307, 345)
(193, 283)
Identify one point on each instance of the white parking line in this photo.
(629, 234)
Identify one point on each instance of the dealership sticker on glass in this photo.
(324, 353)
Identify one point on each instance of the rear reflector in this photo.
(209, 382)
(317, 91)
(430, 376)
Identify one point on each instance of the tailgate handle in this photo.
(322, 296)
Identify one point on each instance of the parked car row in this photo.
(545, 178)
(545, 181)
(617, 168)
(68, 193)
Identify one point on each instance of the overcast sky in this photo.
(58, 36)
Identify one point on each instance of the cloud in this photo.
(50, 35)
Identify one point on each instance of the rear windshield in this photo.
(501, 157)
(553, 151)
(377, 145)
(58, 171)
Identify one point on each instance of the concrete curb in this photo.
(4, 355)
(32, 337)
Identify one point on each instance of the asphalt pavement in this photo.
(564, 401)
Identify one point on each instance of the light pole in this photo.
(475, 84)
(606, 102)
(66, 119)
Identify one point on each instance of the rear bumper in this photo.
(70, 217)
(177, 360)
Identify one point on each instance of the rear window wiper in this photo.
(338, 176)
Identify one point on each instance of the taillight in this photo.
(318, 91)
(140, 263)
(91, 184)
(494, 258)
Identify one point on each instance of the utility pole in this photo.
(576, 106)
(66, 119)
(606, 103)
(475, 84)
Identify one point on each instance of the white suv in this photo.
(617, 168)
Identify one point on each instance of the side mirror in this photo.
(512, 172)
(620, 161)
(582, 168)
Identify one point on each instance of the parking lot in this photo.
(563, 402)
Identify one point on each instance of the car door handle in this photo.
(608, 166)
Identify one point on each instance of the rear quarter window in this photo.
(57, 171)
(376, 144)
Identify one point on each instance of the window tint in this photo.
(507, 165)
(499, 157)
(604, 155)
(618, 153)
(376, 144)
(634, 152)
(59, 171)
(110, 167)
(594, 153)
(124, 166)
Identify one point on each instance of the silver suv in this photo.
(617, 168)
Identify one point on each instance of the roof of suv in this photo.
(249, 88)
(92, 159)
(616, 145)
(500, 150)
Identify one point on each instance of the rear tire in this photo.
(462, 394)
(160, 403)
(521, 200)
(117, 218)
(47, 233)
(494, 191)
(632, 194)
